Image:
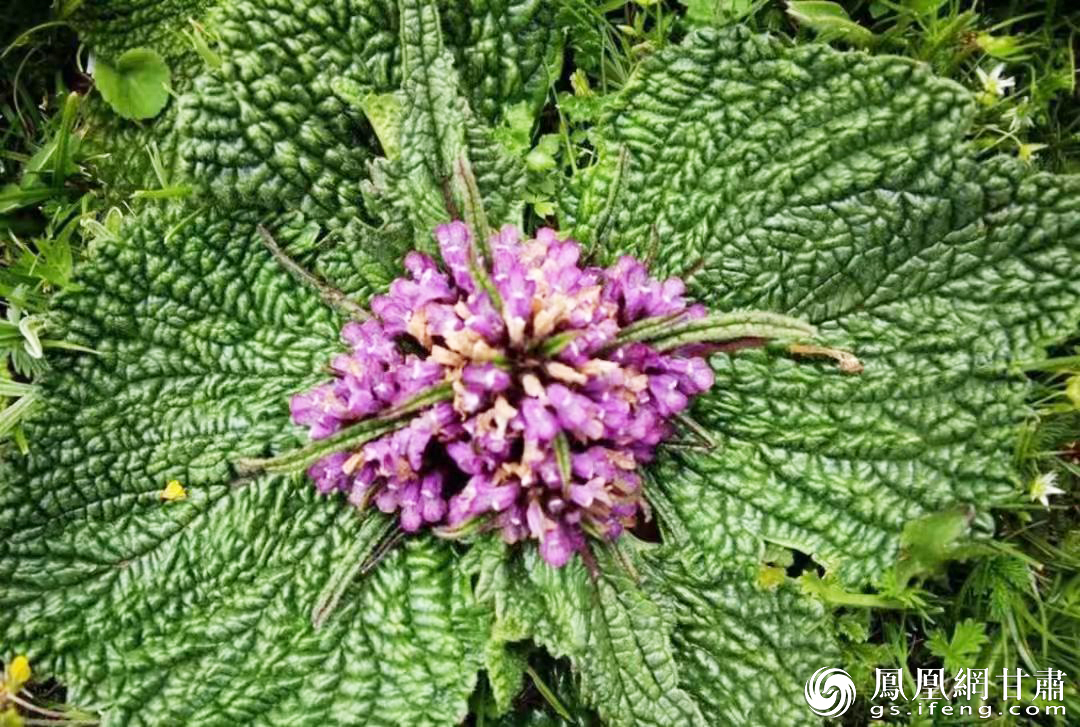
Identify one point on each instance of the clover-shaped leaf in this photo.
(136, 84)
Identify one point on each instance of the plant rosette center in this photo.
(515, 389)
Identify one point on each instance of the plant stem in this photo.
(332, 296)
(351, 437)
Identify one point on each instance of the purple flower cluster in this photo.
(550, 414)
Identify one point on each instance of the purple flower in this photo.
(456, 248)
(321, 409)
(540, 423)
(329, 473)
(534, 368)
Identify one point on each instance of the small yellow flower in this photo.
(173, 491)
(1072, 390)
(770, 577)
(1043, 487)
(1027, 152)
(18, 674)
(10, 718)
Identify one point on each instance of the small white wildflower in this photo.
(1043, 487)
(1019, 116)
(993, 83)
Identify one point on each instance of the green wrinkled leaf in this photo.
(198, 611)
(269, 129)
(384, 113)
(744, 653)
(135, 85)
(716, 12)
(275, 130)
(114, 26)
(505, 668)
(433, 118)
(616, 637)
(116, 147)
(506, 51)
(657, 644)
(360, 260)
(837, 188)
(438, 131)
(828, 186)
